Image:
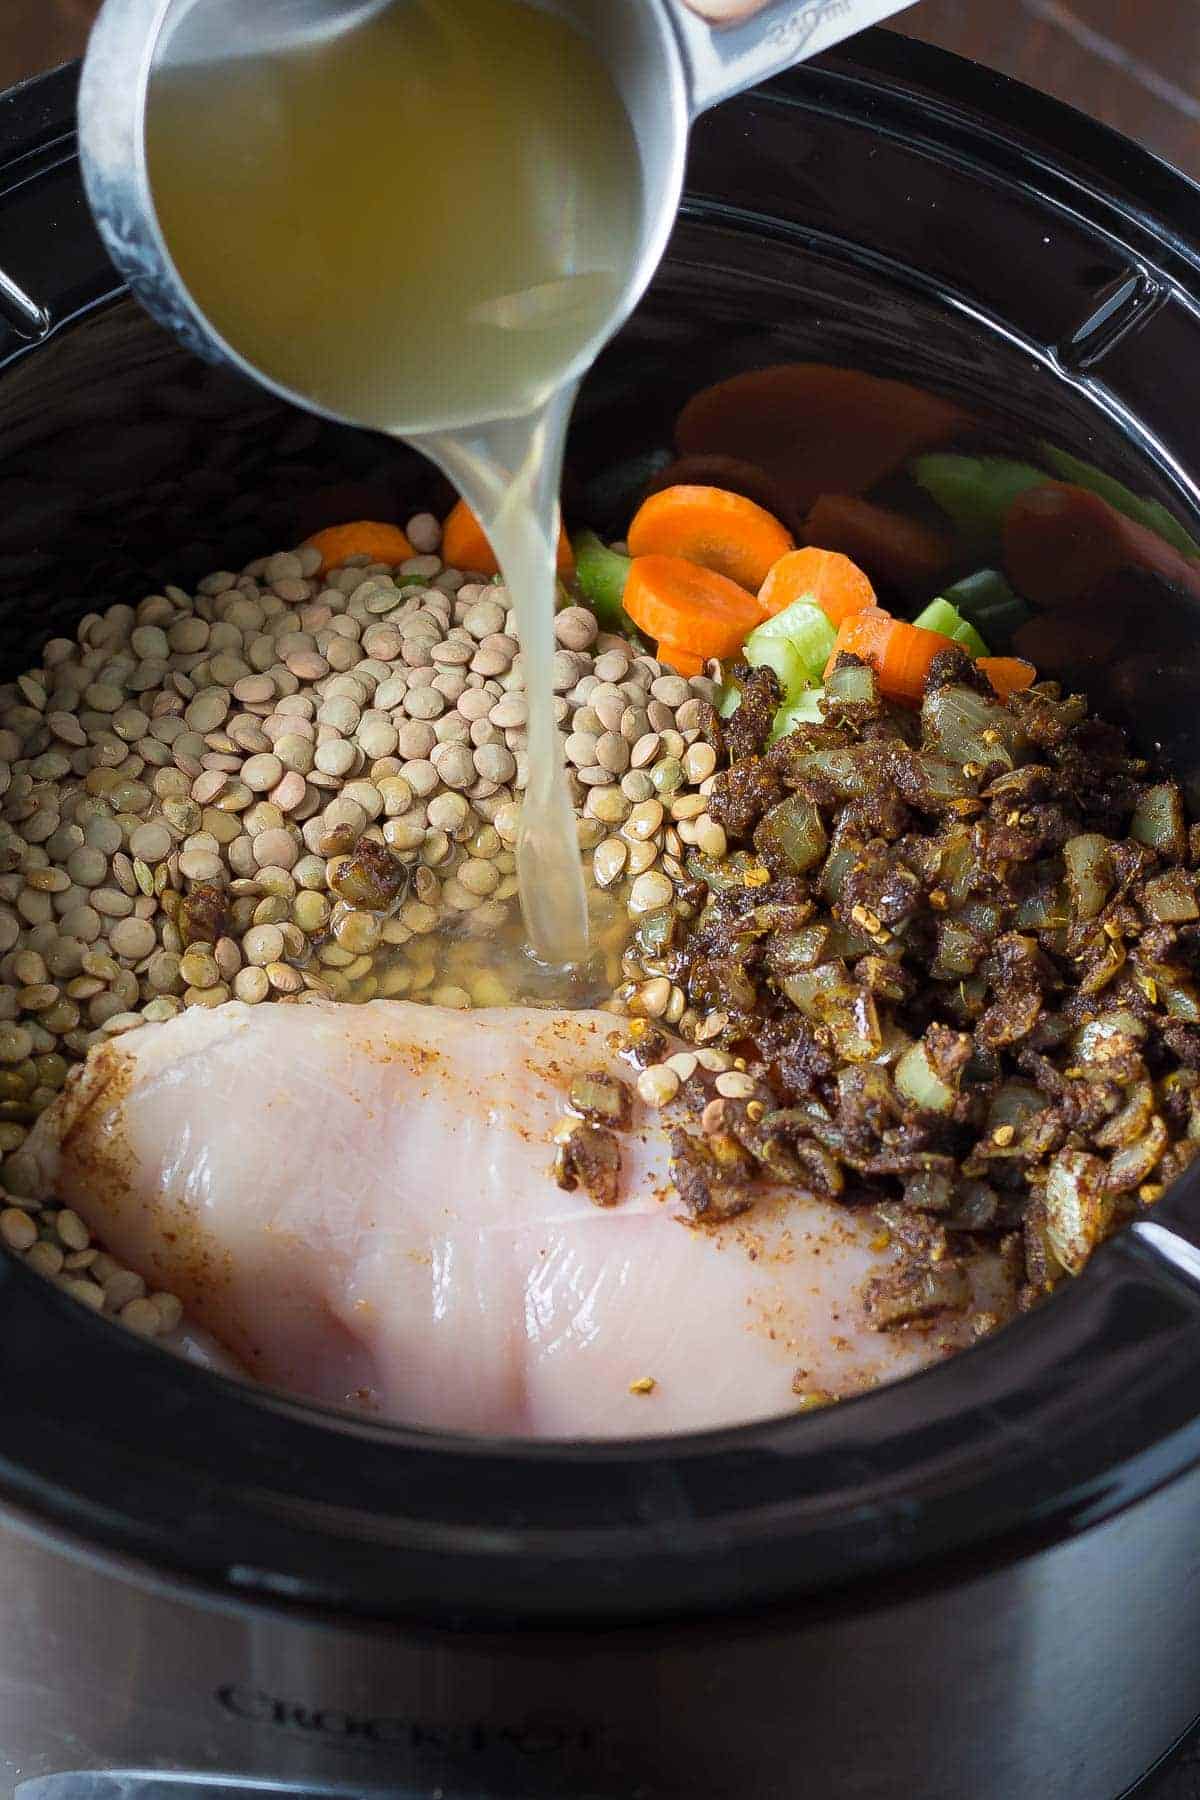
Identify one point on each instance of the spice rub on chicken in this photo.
(360, 1203)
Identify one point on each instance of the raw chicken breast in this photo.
(358, 1203)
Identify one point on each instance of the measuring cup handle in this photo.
(730, 45)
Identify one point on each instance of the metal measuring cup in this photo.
(668, 64)
(671, 61)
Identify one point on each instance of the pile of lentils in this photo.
(301, 783)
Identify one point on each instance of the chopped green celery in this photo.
(805, 627)
(804, 710)
(796, 643)
(969, 638)
(986, 601)
(777, 653)
(1150, 513)
(976, 491)
(601, 574)
(939, 615)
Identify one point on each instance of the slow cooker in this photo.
(982, 1581)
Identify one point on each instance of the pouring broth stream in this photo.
(419, 225)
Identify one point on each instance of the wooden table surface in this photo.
(1133, 63)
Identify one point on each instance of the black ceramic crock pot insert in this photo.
(1080, 278)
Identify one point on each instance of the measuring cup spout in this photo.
(730, 45)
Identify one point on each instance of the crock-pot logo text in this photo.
(540, 1735)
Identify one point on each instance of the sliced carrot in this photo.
(729, 472)
(721, 531)
(890, 546)
(906, 664)
(1007, 674)
(465, 544)
(816, 429)
(899, 653)
(907, 656)
(364, 537)
(1061, 542)
(696, 610)
(862, 634)
(826, 577)
(684, 662)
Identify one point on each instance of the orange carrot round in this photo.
(465, 544)
(728, 472)
(684, 662)
(1008, 674)
(721, 531)
(899, 653)
(363, 537)
(691, 608)
(826, 577)
(862, 634)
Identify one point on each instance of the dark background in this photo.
(1133, 63)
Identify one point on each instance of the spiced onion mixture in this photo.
(954, 955)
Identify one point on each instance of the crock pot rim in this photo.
(639, 1545)
(1027, 126)
(1070, 1417)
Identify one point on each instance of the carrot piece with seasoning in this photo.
(721, 531)
(1007, 674)
(826, 577)
(363, 537)
(899, 653)
(895, 548)
(694, 610)
(465, 544)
